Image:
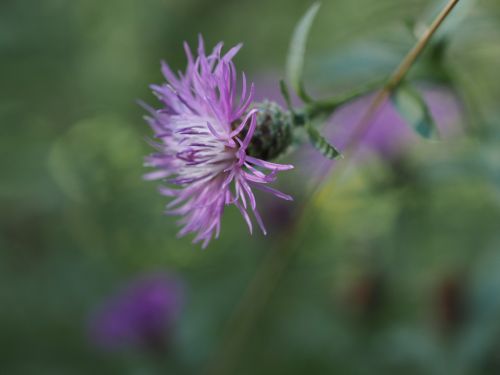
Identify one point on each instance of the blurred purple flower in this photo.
(204, 131)
(140, 316)
(389, 136)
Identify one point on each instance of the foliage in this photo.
(395, 270)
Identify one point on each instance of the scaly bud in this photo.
(273, 134)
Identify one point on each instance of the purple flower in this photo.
(204, 130)
(141, 315)
(389, 135)
(389, 138)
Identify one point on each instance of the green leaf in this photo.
(411, 106)
(286, 95)
(321, 144)
(296, 52)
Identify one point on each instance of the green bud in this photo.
(273, 133)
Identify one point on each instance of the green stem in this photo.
(326, 107)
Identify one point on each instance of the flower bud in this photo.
(273, 134)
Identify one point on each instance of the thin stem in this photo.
(327, 106)
(415, 52)
(397, 77)
(276, 261)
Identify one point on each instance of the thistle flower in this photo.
(204, 131)
(141, 315)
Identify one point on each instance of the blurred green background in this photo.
(397, 269)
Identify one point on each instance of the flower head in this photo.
(203, 134)
(141, 315)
